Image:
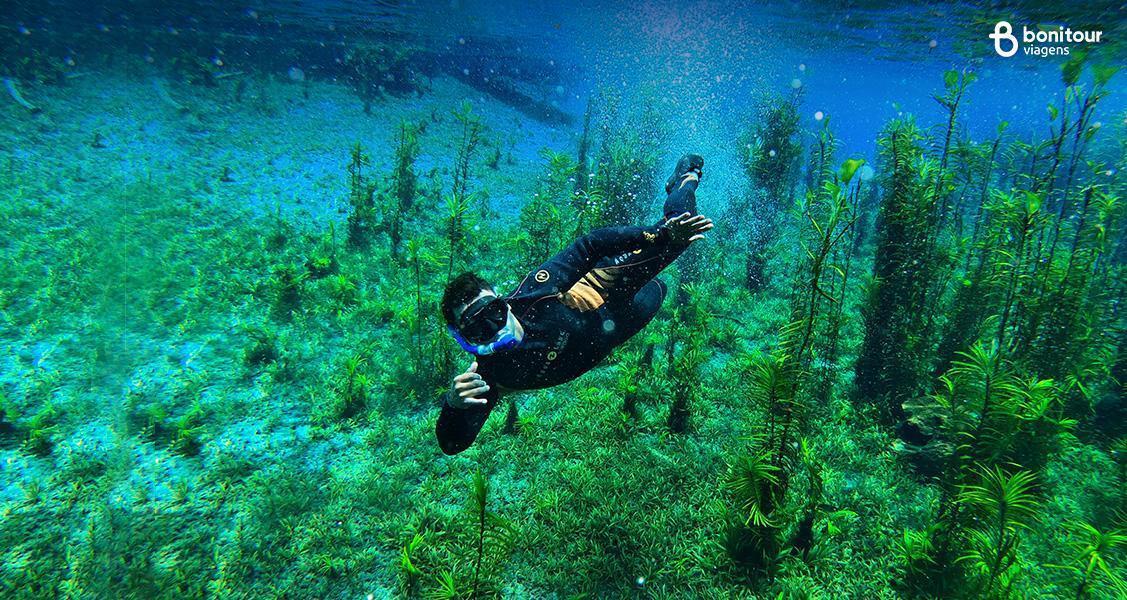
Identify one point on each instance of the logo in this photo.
(1003, 31)
(542, 276)
(1043, 40)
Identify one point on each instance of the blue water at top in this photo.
(708, 63)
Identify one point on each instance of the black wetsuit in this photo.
(575, 309)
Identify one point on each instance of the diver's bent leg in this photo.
(621, 277)
(682, 199)
(631, 316)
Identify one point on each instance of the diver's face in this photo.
(485, 317)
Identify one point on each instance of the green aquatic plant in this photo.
(263, 349)
(404, 187)
(779, 384)
(542, 218)
(895, 355)
(363, 219)
(287, 285)
(955, 85)
(1093, 559)
(686, 388)
(685, 356)
(410, 576)
(428, 350)
(471, 131)
(41, 430)
(188, 431)
(374, 71)
(348, 393)
(985, 412)
(1004, 505)
(493, 539)
(342, 292)
(322, 262)
(626, 168)
(757, 489)
(770, 153)
(632, 371)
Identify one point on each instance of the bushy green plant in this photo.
(404, 187)
(769, 153)
(895, 356)
(41, 430)
(348, 393)
(363, 219)
(1096, 559)
(1004, 505)
(379, 70)
(542, 218)
(287, 287)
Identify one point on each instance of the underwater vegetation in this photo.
(892, 375)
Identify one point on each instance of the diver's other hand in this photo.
(467, 387)
(686, 228)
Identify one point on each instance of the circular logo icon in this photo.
(1003, 31)
(542, 275)
(552, 355)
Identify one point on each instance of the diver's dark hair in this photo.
(459, 291)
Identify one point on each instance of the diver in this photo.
(566, 315)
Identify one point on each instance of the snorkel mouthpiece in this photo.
(507, 341)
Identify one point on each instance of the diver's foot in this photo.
(689, 167)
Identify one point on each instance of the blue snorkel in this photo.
(507, 341)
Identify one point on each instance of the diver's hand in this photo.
(467, 387)
(686, 228)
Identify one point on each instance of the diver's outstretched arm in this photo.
(465, 408)
(569, 266)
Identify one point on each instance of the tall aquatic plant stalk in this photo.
(894, 355)
(404, 183)
(472, 128)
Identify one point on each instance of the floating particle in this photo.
(462, 41)
(217, 61)
(932, 44)
(608, 325)
(771, 153)
(465, 71)
(819, 115)
(802, 67)
(796, 83)
(296, 74)
(24, 30)
(560, 89)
